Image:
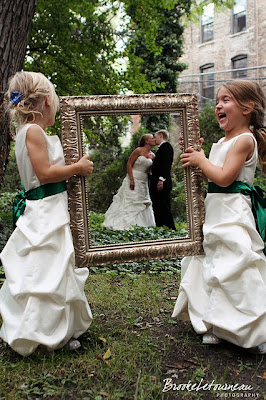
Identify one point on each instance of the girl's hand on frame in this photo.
(85, 165)
(192, 158)
(181, 143)
(46, 172)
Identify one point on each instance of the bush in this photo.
(6, 217)
(209, 127)
(103, 236)
(103, 185)
(11, 182)
(178, 195)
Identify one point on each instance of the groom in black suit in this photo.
(161, 182)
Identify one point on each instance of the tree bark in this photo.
(15, 22)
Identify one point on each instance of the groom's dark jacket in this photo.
(162, 166)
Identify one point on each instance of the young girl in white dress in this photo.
(42, 301)
(223, 293)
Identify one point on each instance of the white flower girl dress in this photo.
(42, 301)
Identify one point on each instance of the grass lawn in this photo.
(132, 346)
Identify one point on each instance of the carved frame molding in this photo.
(72, 109)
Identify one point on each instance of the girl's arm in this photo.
(46, 172)
(223, 176)
(130, 164)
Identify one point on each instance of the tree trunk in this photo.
(15, 22)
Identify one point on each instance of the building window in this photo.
(238, 63)
(207, 23)
(207, 82)
(239, 16)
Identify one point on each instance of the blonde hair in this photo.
(143, 139)
(33, 87)
(246, 92)
(164, 133)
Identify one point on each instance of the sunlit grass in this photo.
(132, 345)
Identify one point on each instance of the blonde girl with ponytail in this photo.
(42, 301)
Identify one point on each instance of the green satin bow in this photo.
(258, 200)
(18, 206)
(37, 193)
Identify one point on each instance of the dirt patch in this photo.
(190, 362)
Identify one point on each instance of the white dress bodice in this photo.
(26, 172)
(142, 164)
(220, 150)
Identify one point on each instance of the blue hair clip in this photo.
(16, 97)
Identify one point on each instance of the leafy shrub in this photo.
(6, 201)
(153, 267)
(178, 195)
(103, 236)
(209, 127)
(259, 179)
(6, 228)
(102, 186)
(11, 181)
(6, 217)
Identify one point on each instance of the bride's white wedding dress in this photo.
(132, 207)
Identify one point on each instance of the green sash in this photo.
(49, 189)
(257, 198)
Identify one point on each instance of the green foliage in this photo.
(155, 44)
(105, 131)
(160, 267)
(147, 18)
(6, 228)
(103, 236)
(197, 8)
(132, 321)
(72, 42)
(103, 184)
(178, 195)
(102, 136)
(155, 122)
(6, 217)
(6, 202)
(209, 127)
(155, 41)
(260, 178)
(11, 181)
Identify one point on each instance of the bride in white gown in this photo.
(132, 203)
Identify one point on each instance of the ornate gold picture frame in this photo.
(73, 109)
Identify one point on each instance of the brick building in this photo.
(225, 45)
